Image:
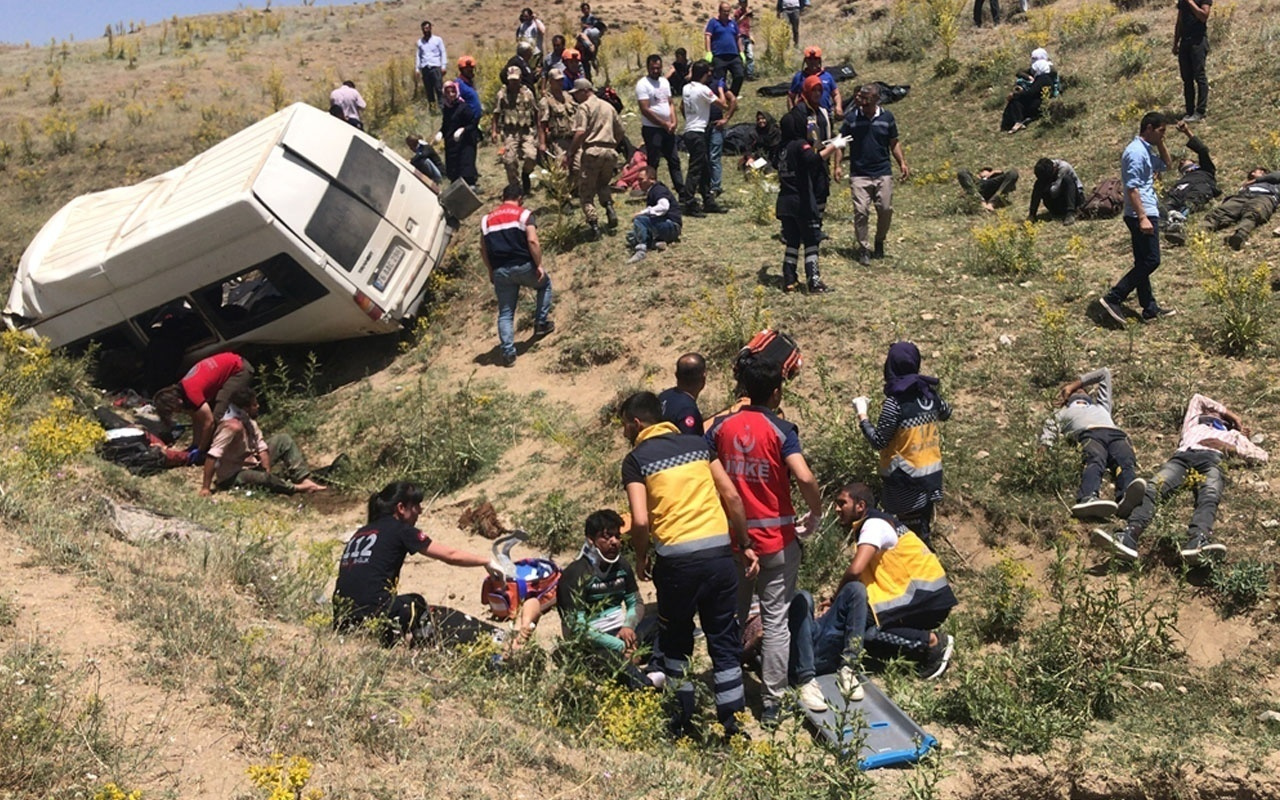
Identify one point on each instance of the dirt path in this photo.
(186, 743)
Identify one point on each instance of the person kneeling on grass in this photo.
(240, 456)
(907, 589)
(369, 570)
(1104, 447)
(658, 222)
(1210, 433)
(599, 599)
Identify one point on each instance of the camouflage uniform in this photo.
(558, 119)
(518, 124)
(599, 155)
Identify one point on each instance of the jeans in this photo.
(823, 645)
(699, 178)
(660, 143)
(708, 585)
(793, 18)
(432, 84)
(1191, 58)
(1146, 260)
(506, 285)
(715, 149)
(988, 188)
(1102, 449)
(775, 585)
(1170, 477)
(749, 53)
(646, 230)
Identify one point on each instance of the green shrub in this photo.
(1057, 344)
(1129, 57)
(1004, 247)
(1240, 586)
(726, 320)
(1006, 592)
(1239, 297)
(554, 524)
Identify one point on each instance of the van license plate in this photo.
(389, 264)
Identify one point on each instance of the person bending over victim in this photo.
(599, 598)
(204, 393)
(991, 186)
(1103, 446)
(240, 456)
(369, 570)
(907, 589)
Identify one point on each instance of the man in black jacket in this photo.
(1195, 188)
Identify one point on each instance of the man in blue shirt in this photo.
(467, 86)
(1144, 158)
(724, 43)
(873, 135)
(831, 100)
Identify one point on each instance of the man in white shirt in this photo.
(431, 62)
(698, 99)
(349, 101)
(658, 121)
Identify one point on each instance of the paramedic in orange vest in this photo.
(907, 590)
(761, 453)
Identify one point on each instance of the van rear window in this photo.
(353, 205)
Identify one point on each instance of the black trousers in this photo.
(977, 12)
(1195, 83)
(698, 181)
(731, 64)
(1146, 260)
(659, 143)
(432, 83)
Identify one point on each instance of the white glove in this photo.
(839, 142)
(809, 525)
(499, 570)
(438, 138)
(457, 135)
(860, 405)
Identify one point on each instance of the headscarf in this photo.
(457, 96)
(770, 136)
(1040, 63)
(793, 128)
(901, 373)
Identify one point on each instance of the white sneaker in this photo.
(658, 678)
(847, 681)
(811, 697)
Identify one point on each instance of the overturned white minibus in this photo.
(299, 228)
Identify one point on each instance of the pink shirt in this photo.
(236, 447)
(1197, 435)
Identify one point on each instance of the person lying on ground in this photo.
(599, 600)
(1195, 188)
(990, 187)
(1059, 188)
(240, 456)
(1248, 208)
(369, 570)
(1210, 433)
(907, 590)
(204, 393)
(1086, 419)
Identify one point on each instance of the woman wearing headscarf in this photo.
(766, 139)
(459, 127)
(907, 437)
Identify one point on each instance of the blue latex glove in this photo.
(195, 457)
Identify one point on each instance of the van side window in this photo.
(353, 204)
(260, 294)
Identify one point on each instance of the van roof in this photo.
(78, 250)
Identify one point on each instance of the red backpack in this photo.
(774, 346)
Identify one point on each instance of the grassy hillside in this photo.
(181, 668)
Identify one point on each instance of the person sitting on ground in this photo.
(656, 224)
(599, 599)
(1104, 447)
(1210, 433)
(240, 456)
(680, 402)
(830, 643)
(1030, 88)
(762, 454)
(1248, 208)
(369, 570)
(204, 393)
(906, 434)
(1195, 188)
(425, 161)
(1058, 187)
(766, 142)
(907, 590)
(991, 186)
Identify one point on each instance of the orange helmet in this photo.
(813, 52)
(466, 61)
(570, 53)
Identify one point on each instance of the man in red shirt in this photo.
(204, 393)
(744, 16)
(761, 453)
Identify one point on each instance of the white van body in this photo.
(299, 228)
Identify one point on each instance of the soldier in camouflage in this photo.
(515, 120)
